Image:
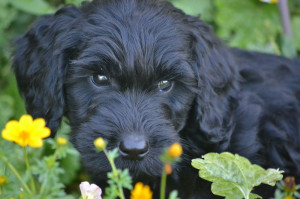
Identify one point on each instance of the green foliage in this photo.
(196, 7)
(248, 24)
(52, 166)
(173, 195)
(287, 188)
(234, 176)
(243, 32)
(36, 7)
(117, 178)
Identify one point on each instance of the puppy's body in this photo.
(143, 75)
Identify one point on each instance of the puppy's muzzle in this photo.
(133, 147)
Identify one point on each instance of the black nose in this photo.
(133, 147)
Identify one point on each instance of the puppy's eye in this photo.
(100, 80)
(165, 86)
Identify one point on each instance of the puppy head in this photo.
(132, 72)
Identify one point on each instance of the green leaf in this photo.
(113, 154)
(173, 195)
(196, 7)
(234, 176)
(125, 179)
(288, 47)
(36, 7)
(295, 23)
(233, 26)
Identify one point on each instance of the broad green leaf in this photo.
(234, 176)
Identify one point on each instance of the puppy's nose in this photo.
(133, 147)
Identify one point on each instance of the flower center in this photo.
(24, 135)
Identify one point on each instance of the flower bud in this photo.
(2, 180)
(168, 168)
(61, 141)
(289, 184)
(289, 197)
(175, 150)
(100, 143)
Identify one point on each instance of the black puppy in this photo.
(143, 75)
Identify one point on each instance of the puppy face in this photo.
(132, 85)
(135, 72)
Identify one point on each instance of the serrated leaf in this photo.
(113, 154)
(234, 176)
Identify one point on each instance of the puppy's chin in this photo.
(148, 166)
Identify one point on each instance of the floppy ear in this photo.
(217, 75)
(40, 64)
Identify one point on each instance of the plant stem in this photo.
(45, 181)
(43, 186)
(55, 153)
(114, 170)
(29, 169)
(163, 183)
(12, 168)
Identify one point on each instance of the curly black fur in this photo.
(222, 99)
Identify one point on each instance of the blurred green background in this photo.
(248, 24)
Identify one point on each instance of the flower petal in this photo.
(95, 190)
(11, 131)
(84, 186)
(35, 142)
(26, 121)
(90, 191)
(13, 127)
(40, 132)
(21, 142)
(141, 191)
(39, 123)
(6, 135)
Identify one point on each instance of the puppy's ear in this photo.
(40, 63)
(217, 75)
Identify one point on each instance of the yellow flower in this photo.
(141, 191)
(100, 143)
(26, 131)
(175, 150)
(2, 180)
(61, 141)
